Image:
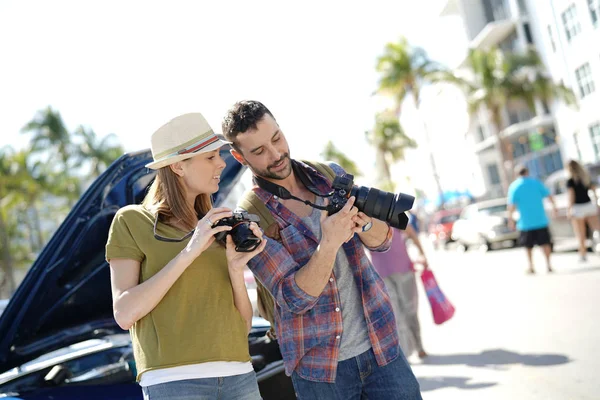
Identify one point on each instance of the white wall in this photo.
(562, 63)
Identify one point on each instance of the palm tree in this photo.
(7, 195)
(405, 70)
(332, 153)
(49, 132)
(500, 77)
(100, 153)
(390, 142)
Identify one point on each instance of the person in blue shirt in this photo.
(526, 195)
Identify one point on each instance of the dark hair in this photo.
(242, 117)
(522, 170)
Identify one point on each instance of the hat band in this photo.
(190, 148)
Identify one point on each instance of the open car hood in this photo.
(66, 297)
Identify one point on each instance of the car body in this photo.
(440, 227)
(485, 225)
(58, 337)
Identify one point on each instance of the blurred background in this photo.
(440, 99)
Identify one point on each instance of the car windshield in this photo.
(446, 219)
(493, 210)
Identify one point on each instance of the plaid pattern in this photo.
(308, 328)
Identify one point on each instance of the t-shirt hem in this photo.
(139, 375)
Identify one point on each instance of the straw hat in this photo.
(181, 138)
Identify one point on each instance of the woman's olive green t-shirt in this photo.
(197, 320)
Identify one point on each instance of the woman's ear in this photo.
(176, 168)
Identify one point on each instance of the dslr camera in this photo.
(245, 241)
(375, 203)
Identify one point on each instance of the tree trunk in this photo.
(30, 233)
(7, 286)
(38, 228)
(436, 175)
(503, 150)
(383, 166)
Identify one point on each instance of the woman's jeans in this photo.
(361, 378)
(237, 387)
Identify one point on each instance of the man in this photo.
(334, 320)
(526, 195)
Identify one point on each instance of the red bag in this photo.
(441, 307)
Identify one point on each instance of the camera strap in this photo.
(283, 193)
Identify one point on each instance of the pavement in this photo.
(514, 335)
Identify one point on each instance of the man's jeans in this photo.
(361, 378)
(237, 387)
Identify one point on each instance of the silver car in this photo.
(484, 225)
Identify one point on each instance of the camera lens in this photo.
(385, 206)
(245, 241)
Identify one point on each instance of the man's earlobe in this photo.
(238, 157)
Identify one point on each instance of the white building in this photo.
(570, 48)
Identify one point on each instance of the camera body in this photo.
(373, 202)
(245, 241)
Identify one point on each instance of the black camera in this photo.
(245, 241)
(375, 203)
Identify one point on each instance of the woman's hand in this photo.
(237, 260)
(204, 234)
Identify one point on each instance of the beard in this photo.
(276, 175)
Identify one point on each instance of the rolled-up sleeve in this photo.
(385, 245)
(276, 269)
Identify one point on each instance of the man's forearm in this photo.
(313, 277)
(375, 236)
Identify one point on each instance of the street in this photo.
(513, 336)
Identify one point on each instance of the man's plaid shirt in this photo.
(308, 328)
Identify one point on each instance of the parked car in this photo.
(58, 337)
(440, 227)
(485, 225)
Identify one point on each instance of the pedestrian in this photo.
(398, 272)
(334, 321)
(526, 195)
(582, 210)
(181, 295)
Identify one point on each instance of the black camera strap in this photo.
(283, 193)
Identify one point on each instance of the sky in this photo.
(127, 67)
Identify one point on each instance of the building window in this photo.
(480, 134)
(493, 173)
(572, 26)
(595, 134)
(528, 36)
(594, 11)
(584, 80)
(552, 162)
(552, 43)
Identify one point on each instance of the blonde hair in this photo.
(166, 198)
(578, 173)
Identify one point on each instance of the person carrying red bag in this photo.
(398, 272)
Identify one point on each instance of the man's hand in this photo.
(339, 227)
(511, 224)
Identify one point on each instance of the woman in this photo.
(181, 295)
(398, 272)
(581, 208)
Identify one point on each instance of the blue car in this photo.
(58, 338)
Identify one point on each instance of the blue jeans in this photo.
(237, 387)
(361, 378)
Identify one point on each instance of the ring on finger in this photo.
(367, 226)
(209, 223)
